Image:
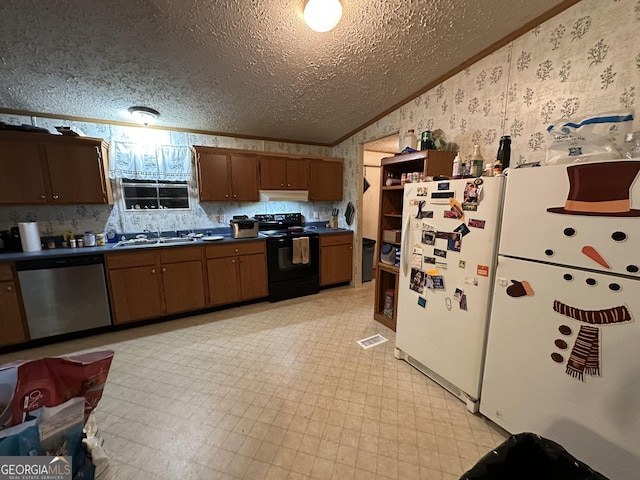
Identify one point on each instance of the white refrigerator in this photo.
(447, 265)
(563, 351)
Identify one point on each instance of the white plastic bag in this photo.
(588, 139)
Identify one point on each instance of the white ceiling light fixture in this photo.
(144, 115)
(322, 15)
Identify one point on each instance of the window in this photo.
(154, 194)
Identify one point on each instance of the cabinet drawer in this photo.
(5, 273)
(336, 239)
(236, 248)
(180, 254)
(125, 260)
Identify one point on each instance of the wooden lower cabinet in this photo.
(236, 272)
(336, 258)
(12, 325)
(154, 283)
(135, 286)
(182, 279)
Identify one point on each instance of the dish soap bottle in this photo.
(456, 166)
(477, 162)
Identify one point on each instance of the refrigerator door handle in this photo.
(404, 251)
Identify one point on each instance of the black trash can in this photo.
(368, 250)
(527, 456)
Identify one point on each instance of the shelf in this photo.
(395, 215)
(388, 268)
(386, 321)
(393, 187)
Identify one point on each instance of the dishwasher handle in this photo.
(59, 262)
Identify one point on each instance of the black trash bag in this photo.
(527, 456)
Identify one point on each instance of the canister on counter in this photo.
(100, 242)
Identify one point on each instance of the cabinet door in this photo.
(244, 178)
(325, 180)
(335, 264)
(77, 173)
(253, 276)
(183, 286)
(214, 177)
(21, 173)
(297, 174)
(135, 293)
(224, 280)
(11, 325)
(273, 173)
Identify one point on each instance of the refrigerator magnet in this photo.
(482, 270)
(440, 253)
(471, 193)
(447, 303)
(416, 258)
(422, 302)
(421, 191)
(463, 302)
(430, 260)
(469, 207)
(458, 294)
(462, 264)
(443, 235)
(456, 207)
(475, 223)
(462, 228)
(443, 186)
(427, 214)
(438, 282)
(454, 242)
(426, 226)
(441, 265)
(471, 281)
(417, 280)
(428, 281)
(428, 237)
(442, 198)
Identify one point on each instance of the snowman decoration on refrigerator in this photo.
(595, 190)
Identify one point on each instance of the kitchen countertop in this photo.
(110, 247)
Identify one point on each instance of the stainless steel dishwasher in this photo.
(64, 294)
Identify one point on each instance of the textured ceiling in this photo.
(241, 67)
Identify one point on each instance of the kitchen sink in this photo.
(154, 242)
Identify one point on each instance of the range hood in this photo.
(284, 195)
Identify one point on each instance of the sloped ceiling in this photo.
(242, 67)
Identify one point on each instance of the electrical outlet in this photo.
(221, 218)
(316, 215)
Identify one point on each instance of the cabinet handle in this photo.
(226, 196)
(9, 288)
(164, 269)
(55, 197)
(288, 184)
(153, 270)
(233, 261)
(235, 196)
(236, 250)
(43, 197)
(282, 184)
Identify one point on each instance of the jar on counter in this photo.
(100, 241)
(89, 239)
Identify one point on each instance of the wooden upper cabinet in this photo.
(21, 173)
(77, 173)
(214, 177)
(244, 178)
(37, 168)
(226, 178)
(278, 173)
(325, 180)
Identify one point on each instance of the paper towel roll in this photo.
(29, 236)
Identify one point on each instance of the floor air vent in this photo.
(372, 341)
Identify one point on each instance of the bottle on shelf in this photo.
(410, 140)
(426, 141)
(477, 162)
(504, 151)
(456, 166)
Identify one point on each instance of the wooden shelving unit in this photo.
(430, 163)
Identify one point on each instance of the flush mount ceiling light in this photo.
(144, 115)
(322, 15)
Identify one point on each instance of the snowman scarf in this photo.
(585, 355)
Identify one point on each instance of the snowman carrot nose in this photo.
(594, 255)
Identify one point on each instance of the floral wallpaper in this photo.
(55, 220)
(583, 61)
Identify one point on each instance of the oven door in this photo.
(280, 259)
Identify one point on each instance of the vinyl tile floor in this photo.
(276, 391)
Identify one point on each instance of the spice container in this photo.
(89, 239)
(80, 242)
(100, 242)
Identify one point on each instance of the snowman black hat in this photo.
(600, 189)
